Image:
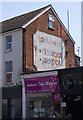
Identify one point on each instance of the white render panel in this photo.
(15, 55)
(0, 61)
(0, 77)
(48, 50)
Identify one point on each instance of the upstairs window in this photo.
(51, 21)
(8, 42)
(8, 66)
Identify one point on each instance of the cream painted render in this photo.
(0, 76)
(0, 61)
(15, 55)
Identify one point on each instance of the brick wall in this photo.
(42, 24)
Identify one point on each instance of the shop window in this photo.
(4, 109)
(40, 106)
(8, 71)
(8, 42)
(51, 21)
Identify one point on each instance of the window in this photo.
(8, 66)
(8, 42)
(51, 21)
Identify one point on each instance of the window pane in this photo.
(8, 46)
(9, 77)
(4, 108)
(51, 24)
(9, 66)
(51, 17)
(8, 39)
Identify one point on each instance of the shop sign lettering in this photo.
(42, 84)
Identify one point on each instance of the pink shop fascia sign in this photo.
(42, 84)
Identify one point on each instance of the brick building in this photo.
(35, 41)
(42, 23)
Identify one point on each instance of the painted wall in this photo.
(81, 33)
(15, 55)
(0, 61)
(0, 76)
(49, 51)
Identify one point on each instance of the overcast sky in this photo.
(12, 9)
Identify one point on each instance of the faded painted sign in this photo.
(49, 51)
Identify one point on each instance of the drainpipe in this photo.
(24, 51)
(23, 98)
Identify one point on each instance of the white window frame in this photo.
(51, 20)
(6, 73)
(7, 50)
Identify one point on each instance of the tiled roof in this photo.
(19, 21)
(22, 20)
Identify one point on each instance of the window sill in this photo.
(8, 50)
(8, 72)
(51, 28)
(8, 83)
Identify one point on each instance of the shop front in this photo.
(42, 95)
(71, 91)
(53, 94)
(11, 102)
(39, 105)
(42, 106)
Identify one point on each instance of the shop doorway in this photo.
(57, 110)
(73, 106)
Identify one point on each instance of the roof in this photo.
(19, 21)
(77, 56)
(25, 19)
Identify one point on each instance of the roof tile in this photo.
(19, 21)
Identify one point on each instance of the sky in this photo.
(12, 9)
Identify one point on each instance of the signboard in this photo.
(49, 51)
(69, 82)
(56, 97)
(63, 104)
(42, 84)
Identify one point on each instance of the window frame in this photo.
(51, 20)
(7, 43)
(10, 72)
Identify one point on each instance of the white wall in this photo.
(15, 55)
(82, 33)
(0, 61)
(0, 77)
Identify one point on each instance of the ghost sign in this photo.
(49, 51)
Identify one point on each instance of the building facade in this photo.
(38, 33)
(11, 70)
(50, 24)
(12, 57)
(35, 41)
